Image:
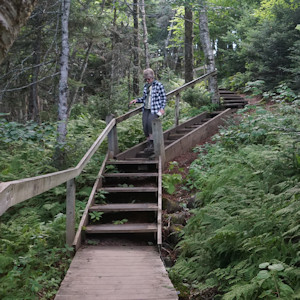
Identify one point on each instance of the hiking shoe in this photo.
(150, 148)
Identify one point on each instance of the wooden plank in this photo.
(159, 203)
(122, 228)
(112, 297)
(112, 138)
(175, 136)
(158, 139)
(70, 212)
(125, 207)
(191, 83)
(108, 273)
(196, 136)
(143, 189)
(129, 114)
(136, 162)
(117, 175)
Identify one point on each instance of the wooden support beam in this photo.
(70, 212)
(158, 140)
(112, 137)
(177, 109)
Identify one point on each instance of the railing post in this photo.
(70, 212)
(112, 137)
(158, 140)
(177, 109)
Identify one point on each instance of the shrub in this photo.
(197, 96)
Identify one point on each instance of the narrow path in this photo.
(117, 273)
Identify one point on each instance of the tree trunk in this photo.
(83, 69)
(188, 45)
(208, 53)
(34, 111)
(145, 32)
(63, 85)
(13, 15)
(136, 56)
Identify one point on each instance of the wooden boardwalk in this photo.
(117, 273)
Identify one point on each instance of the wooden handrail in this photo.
(170, 94)
(183, 87)
(13, 192)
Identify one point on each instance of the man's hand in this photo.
(133, 101)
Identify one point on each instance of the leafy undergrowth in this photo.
(243, 240)
(33, 254)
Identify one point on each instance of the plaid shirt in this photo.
(158, 97)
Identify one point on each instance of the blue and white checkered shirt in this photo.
(158, 97)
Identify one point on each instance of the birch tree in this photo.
(208, 53)
(188, 45)
(63, 83)
(145, 34)
(136, 56)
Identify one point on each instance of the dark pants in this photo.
(147, 121)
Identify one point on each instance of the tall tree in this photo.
(34, 111)
(13, 15)
(63, 84)
(188, 45)
(208, 52)
(145, 34)
(136, 46)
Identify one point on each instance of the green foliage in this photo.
(256, 88)
(172, 179)
(236, 82)
(120, 222)
(169, 182)
(197, 96)
(248, 210)
(33, 257)
(281, 93)
(95, 215)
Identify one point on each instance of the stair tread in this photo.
(129, 189)
(122, 228)
(125, 207)
(132, 162)
(113, 175)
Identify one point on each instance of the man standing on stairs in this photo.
(154, 100)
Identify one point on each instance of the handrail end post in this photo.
(70, 212)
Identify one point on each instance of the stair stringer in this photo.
(196, 136)
(79, 236)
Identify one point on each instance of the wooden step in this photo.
(233, 105)
(230, 96)
(126, 175)
(223, 91)
(194, 126)
(129, 189)
(175, 136)
(124, 207)
(168, 142)
(132, 162)
(183, 130)
(122, 228)
(235, 100)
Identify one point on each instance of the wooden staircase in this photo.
(128, 194)
(231, 99)
(129, 199)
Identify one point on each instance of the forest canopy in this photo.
(251, 40)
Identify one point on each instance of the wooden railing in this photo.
(17, 191)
